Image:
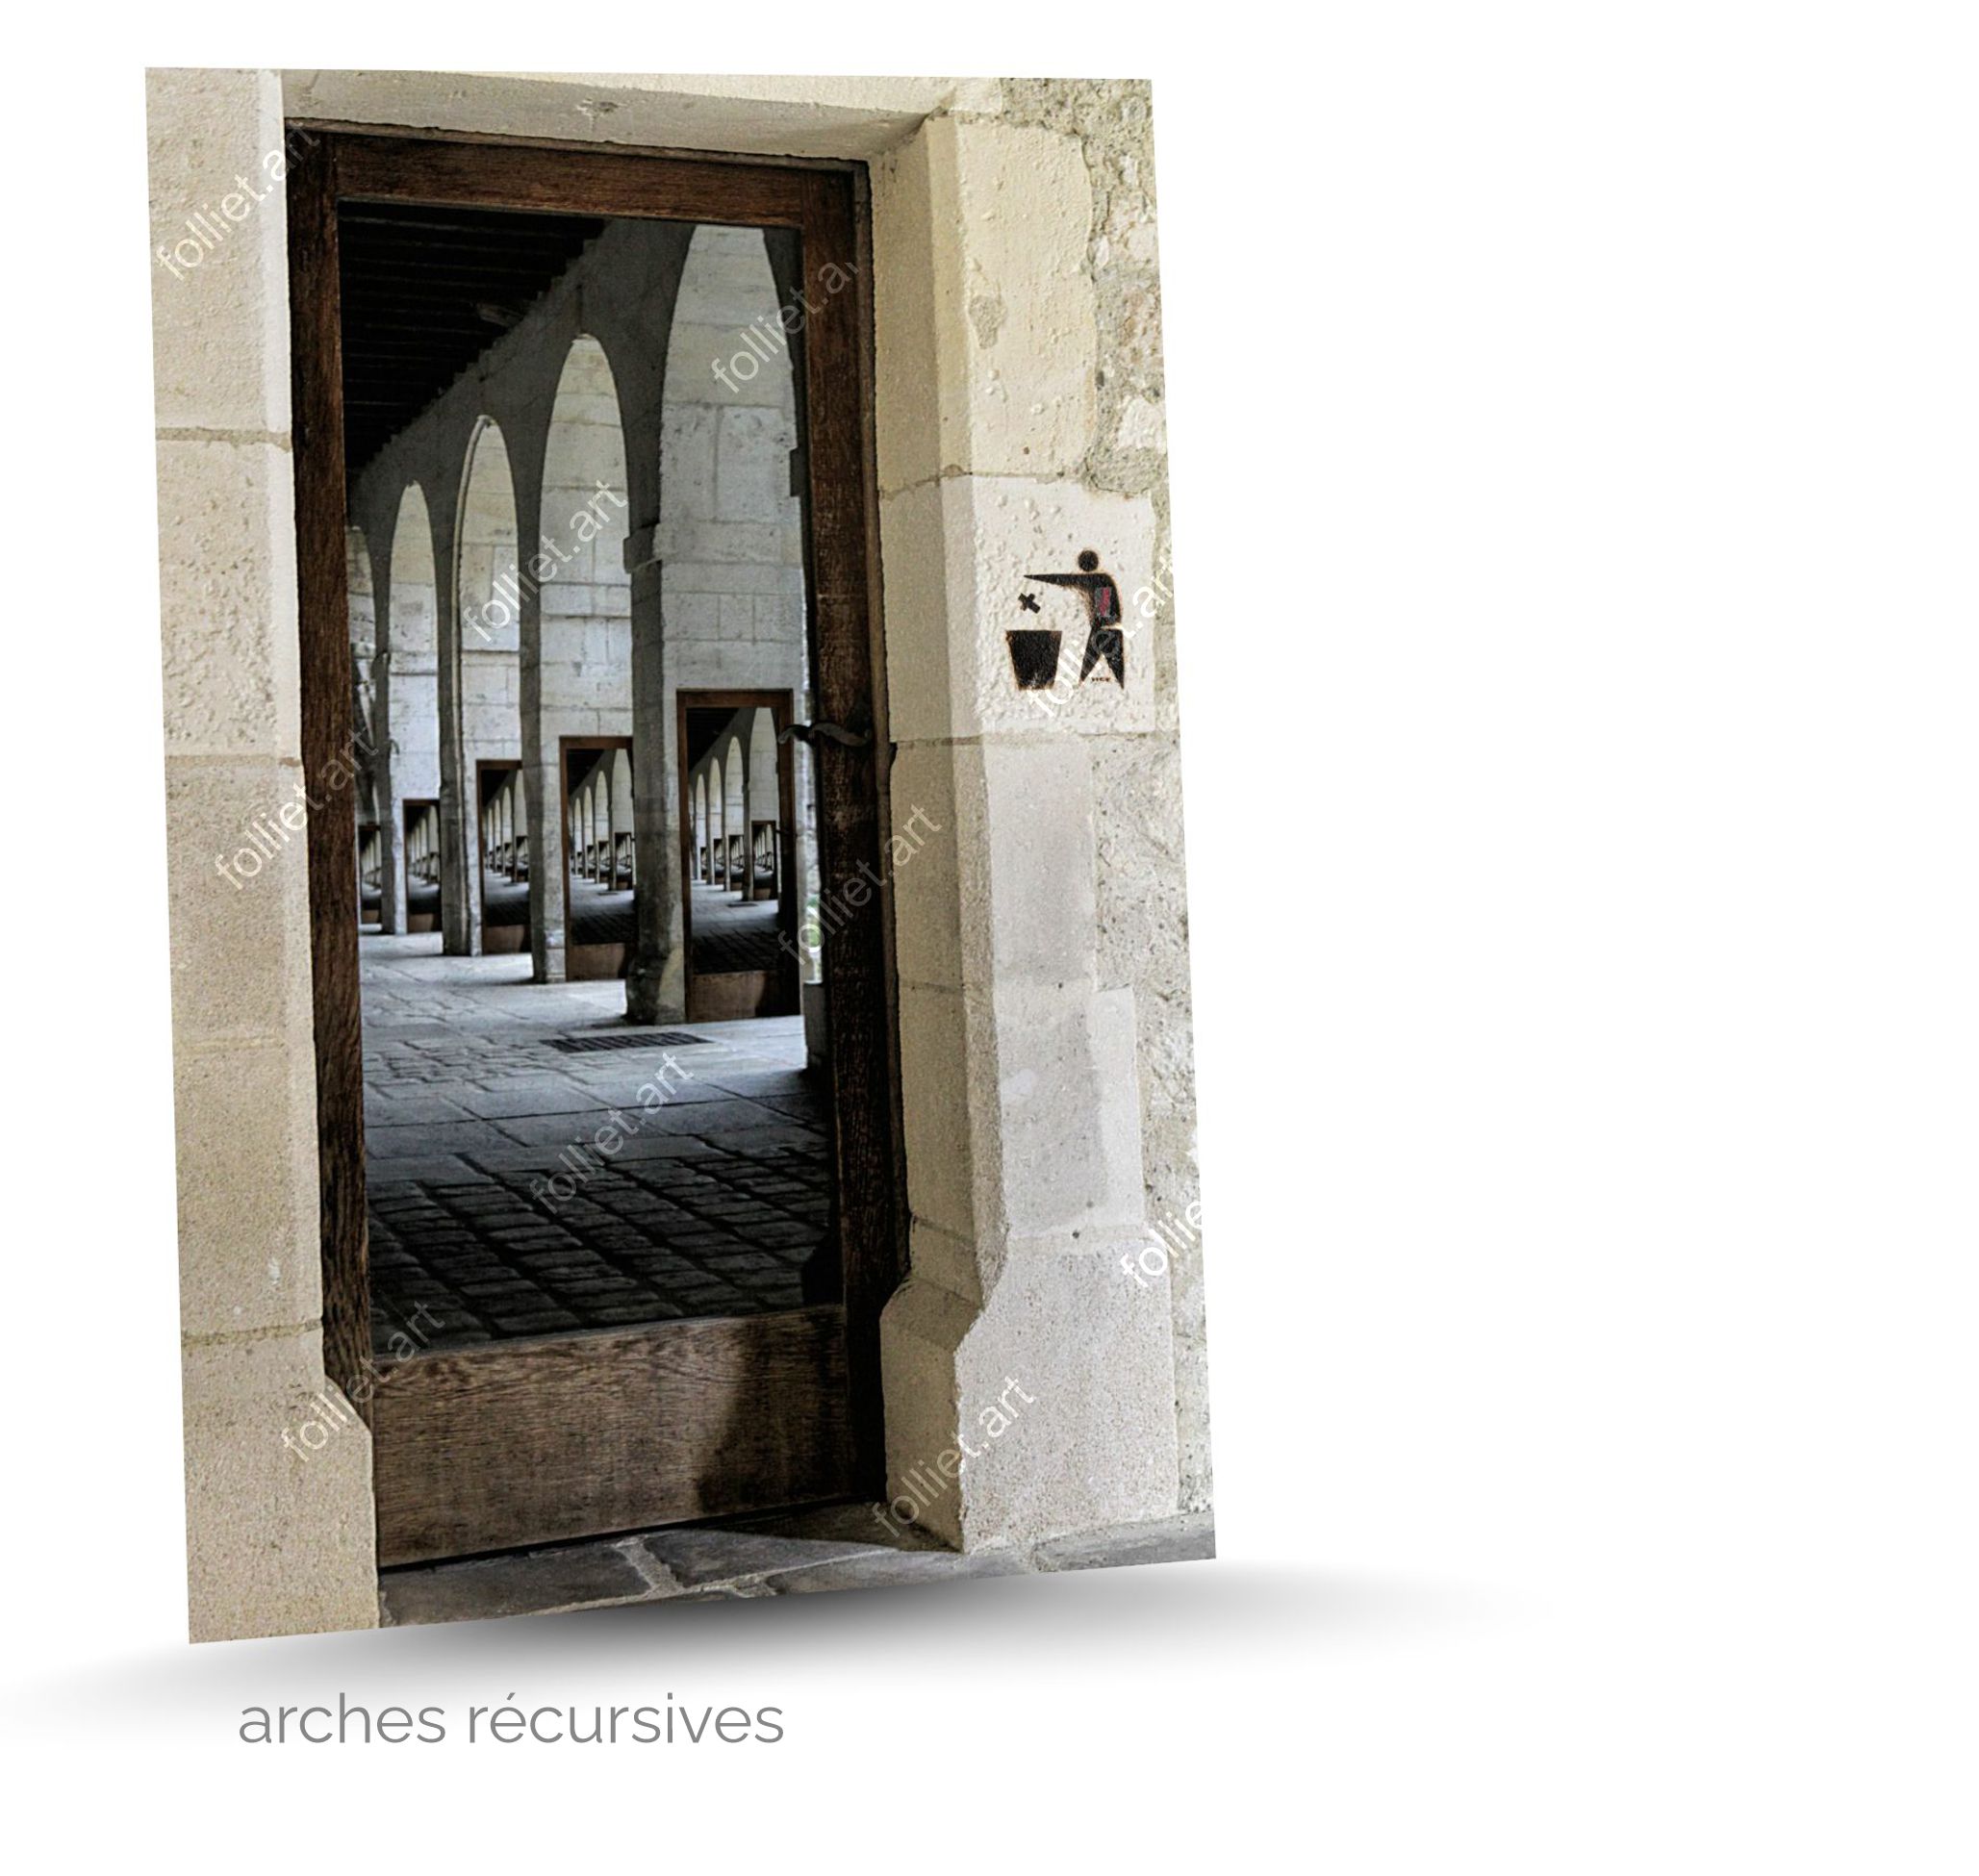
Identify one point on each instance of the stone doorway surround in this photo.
(1040, 946)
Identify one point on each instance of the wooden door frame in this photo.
(825, 201)
(781, 706)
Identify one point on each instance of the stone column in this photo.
(542, 793)
(389, 769)
(460, 887)
(657, 976)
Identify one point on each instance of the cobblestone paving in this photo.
(518, 1190)
(731, 934)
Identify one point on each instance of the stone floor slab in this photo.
(781, 1554)
(572, 1576)
(498, 1206)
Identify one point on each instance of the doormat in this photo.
(645, 1039)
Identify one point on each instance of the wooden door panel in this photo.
(530, 1442)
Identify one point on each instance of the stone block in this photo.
(745, 379)
(1095, 1445)
(751, 474)
(1069, 1112)
(909, 429)
(720, 542)
(1026, 810)
(1053, 1403)
(930, 608)
(926, 889)
(1002, 325)
(227, 595)
(239, 892)
(1009, 529)
(249, 1247)
(937, 1097)
(920, 1332)
(1016, 311)
(940, 1257)
(219, 293)
(833, 116)
(894, 1570)
(280, 1537)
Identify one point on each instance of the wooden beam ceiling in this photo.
(425, 293)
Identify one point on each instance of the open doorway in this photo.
(609, 1230)
(422, 888)
(504, 855)
(600, 866)
(745, 860)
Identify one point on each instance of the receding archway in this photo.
(586, 659)
(408, 667)
(490, 597)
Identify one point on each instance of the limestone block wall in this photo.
(1141, 905)
(278, 1540)
(1044, 986)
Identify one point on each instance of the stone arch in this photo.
(735, 822)
(407, 703)
(728, 543)
(718, 864)
(488, 639)
(412, 622)
(584, 635)
(624, 861)
(761, 797)
(364, 673)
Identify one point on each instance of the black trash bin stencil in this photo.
(1034, 649)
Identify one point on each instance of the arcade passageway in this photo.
(578, 630)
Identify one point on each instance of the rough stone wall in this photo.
(1143, 907)
(1043, 984)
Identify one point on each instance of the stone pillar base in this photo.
(1048, 1409)
(656, 989)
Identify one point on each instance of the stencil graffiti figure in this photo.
(1105, 639)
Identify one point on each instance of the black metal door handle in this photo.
(808, 733)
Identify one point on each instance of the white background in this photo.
(1575, 412)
